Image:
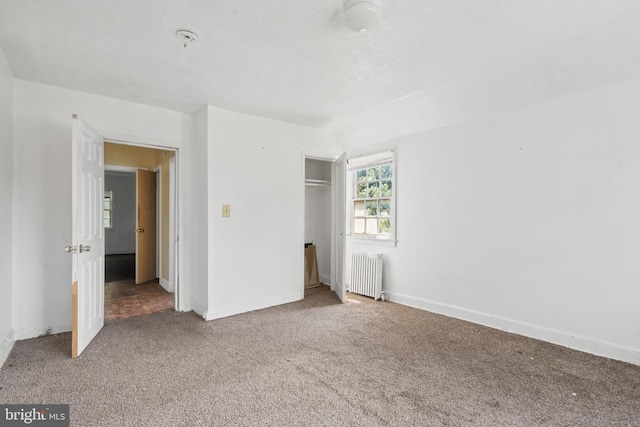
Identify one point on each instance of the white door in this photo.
(87, 181)
(341, 222)
(145, 226)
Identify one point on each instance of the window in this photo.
(373, 197)
(108, 209)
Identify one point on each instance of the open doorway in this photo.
(318, 226)
(139, 211)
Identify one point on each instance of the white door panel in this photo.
(340, 213)
(145, 226)
(87, 181)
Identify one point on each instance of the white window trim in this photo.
(364, 162)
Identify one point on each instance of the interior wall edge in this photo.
(197, 308)
(575, 342)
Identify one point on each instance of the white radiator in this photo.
(366, 274)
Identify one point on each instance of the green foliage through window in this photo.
(372, 201)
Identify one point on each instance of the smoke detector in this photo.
(186, 36)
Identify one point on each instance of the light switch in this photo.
(226, 211)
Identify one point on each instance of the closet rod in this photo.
(317, 182)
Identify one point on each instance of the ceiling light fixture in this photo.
(186, 36)
(361, 15)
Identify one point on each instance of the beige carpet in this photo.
(317, 362)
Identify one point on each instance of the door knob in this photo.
(139, 230)
(70, 249)
(84, 248)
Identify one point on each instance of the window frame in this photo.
(110, 195)
(362, 163)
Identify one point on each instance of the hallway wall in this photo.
(121, 237)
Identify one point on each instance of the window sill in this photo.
(373, 242)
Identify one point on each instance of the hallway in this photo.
(123, 298)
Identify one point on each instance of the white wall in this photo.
(42, 196)
(528, 221)
(6, 203)
(255, 165)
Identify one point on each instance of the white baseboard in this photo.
(33, 331)
(199, 309)
(183, 308)
(588, 345)
(6, 345)
(232, 310)
(326, 279)
(165, 284)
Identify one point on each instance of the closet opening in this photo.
(318, 226)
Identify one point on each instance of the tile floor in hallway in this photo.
(123, 298)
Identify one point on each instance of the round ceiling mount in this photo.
(361, 15)
(186, 36)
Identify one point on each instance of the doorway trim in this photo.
(118, 168)
(325, 157)
(173, 254)
(174, 205)
(158, 172)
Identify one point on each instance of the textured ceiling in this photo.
(430, 63)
